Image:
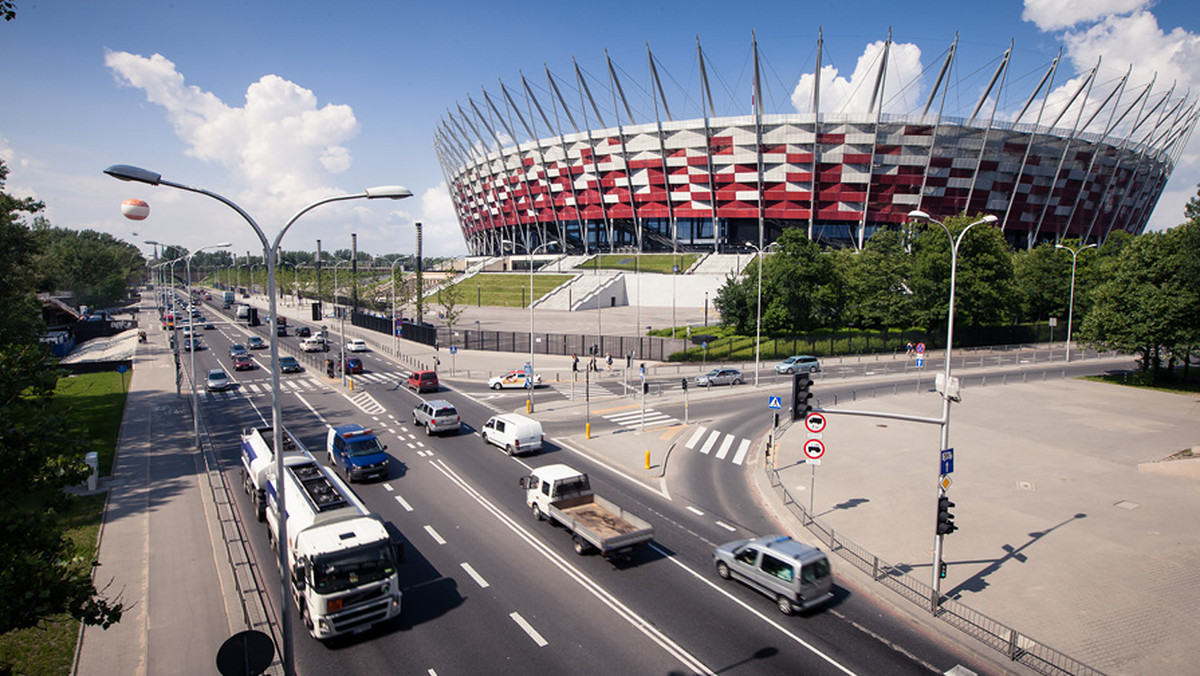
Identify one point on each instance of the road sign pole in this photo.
(812, 492)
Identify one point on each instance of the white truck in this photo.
(342, 562)
(257, 456)
(564, 495)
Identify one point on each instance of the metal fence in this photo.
(582, 344)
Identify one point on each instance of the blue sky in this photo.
(276, 104)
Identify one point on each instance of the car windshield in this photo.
(712, 373)
(216, 375)
(344, 570)
(361, 447)
(287, 361)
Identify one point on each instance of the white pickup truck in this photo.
(313, 344)
(565, 495)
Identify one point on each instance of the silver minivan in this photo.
(796, 575)
(436, 416)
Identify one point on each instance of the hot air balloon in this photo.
(135, 210)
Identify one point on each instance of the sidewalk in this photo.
(1070, 529)
(156, 547)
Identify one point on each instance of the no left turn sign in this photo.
(815, 423)
(814, 449)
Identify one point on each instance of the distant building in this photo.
(595, 179)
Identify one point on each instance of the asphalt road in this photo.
(488, 589)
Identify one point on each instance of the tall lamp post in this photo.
(758, 252)
(395, 340)
(270, 250)
(530, 377)
(192, 339)
(341, 323)
(945, 424)
(1071, 303)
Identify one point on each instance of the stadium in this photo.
(525, 166)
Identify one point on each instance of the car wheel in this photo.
(708, 384)
(429, 430)
(537, 513)
(814, 369)
(739, 381)
(349, 477)
(723, 570)
(785, 605)
(580, 546)
(790, 370)
(485, 439)
(495, 386)
(508, 449)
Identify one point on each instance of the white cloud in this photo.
(1050, 15)
(442, 234)
(853, 94)
(280, 146)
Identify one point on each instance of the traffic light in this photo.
(683, 382)
(645, 387)
(942, 570)
(945, 520)
(801, 394)
(316, 311)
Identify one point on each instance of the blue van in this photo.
(357, 452)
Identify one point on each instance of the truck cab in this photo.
(357, 452)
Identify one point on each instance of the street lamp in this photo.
(758, 313)
(945, 424)
(529, 378)
(192, 338)
(1071, 303)
(341, 324)
(130, 173)
(395, 340)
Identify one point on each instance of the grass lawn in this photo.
(507, 290)
(94, 403)
(659, 263)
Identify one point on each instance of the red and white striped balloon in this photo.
(135, 210)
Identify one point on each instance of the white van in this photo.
(243, 312)
(516, 434)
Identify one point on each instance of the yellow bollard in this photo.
(588, 430)
(526, 406)
(647, 459)
(351, 383)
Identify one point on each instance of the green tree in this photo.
(1149, 302)
(450, 298)
(985, 293)
(877, 282)
(802, 289)
(736, 302)
(38, 578)
(95, 267)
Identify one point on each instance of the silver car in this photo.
(798, 364)
(436, 416)
(218, 381)
(797, 576)
(720, 377)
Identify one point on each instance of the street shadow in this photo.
(849, 504)
(978, 582)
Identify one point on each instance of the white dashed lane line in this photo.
(537, 638)
(434, 534)
(483, 584)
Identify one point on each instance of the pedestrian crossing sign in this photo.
(775, 403)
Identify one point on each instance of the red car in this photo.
(354, 365)
(243, 362)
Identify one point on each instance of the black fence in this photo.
(419, 333)
(582, 344)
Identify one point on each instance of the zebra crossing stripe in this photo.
(725, 445)
(740, 456)
(708, 444)
(695, 437)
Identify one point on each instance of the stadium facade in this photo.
(530, 169)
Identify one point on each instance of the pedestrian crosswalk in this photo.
(636, 418)
(301, 384)
(593, 390)
(706, 441)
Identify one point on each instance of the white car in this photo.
(356, 345)
(514, 378)
(218, 381)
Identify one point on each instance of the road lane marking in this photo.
(537, 638)
(740, 456)
(708, 443)
(388, 487)
(693, 510)
(784, 630)
(691, 662)
(726, 526)
(434, 534)
(407, 507)
(474, 575)
(725, 445)
(695, 437)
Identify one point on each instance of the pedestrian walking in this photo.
(592, 366)
(608, 360)
(908, 349)
(574, 363)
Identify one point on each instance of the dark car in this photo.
(354, 365)
(289, 364)
(242, 362)
(303, 332)
(256, 343)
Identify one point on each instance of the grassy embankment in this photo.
(94, 403)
